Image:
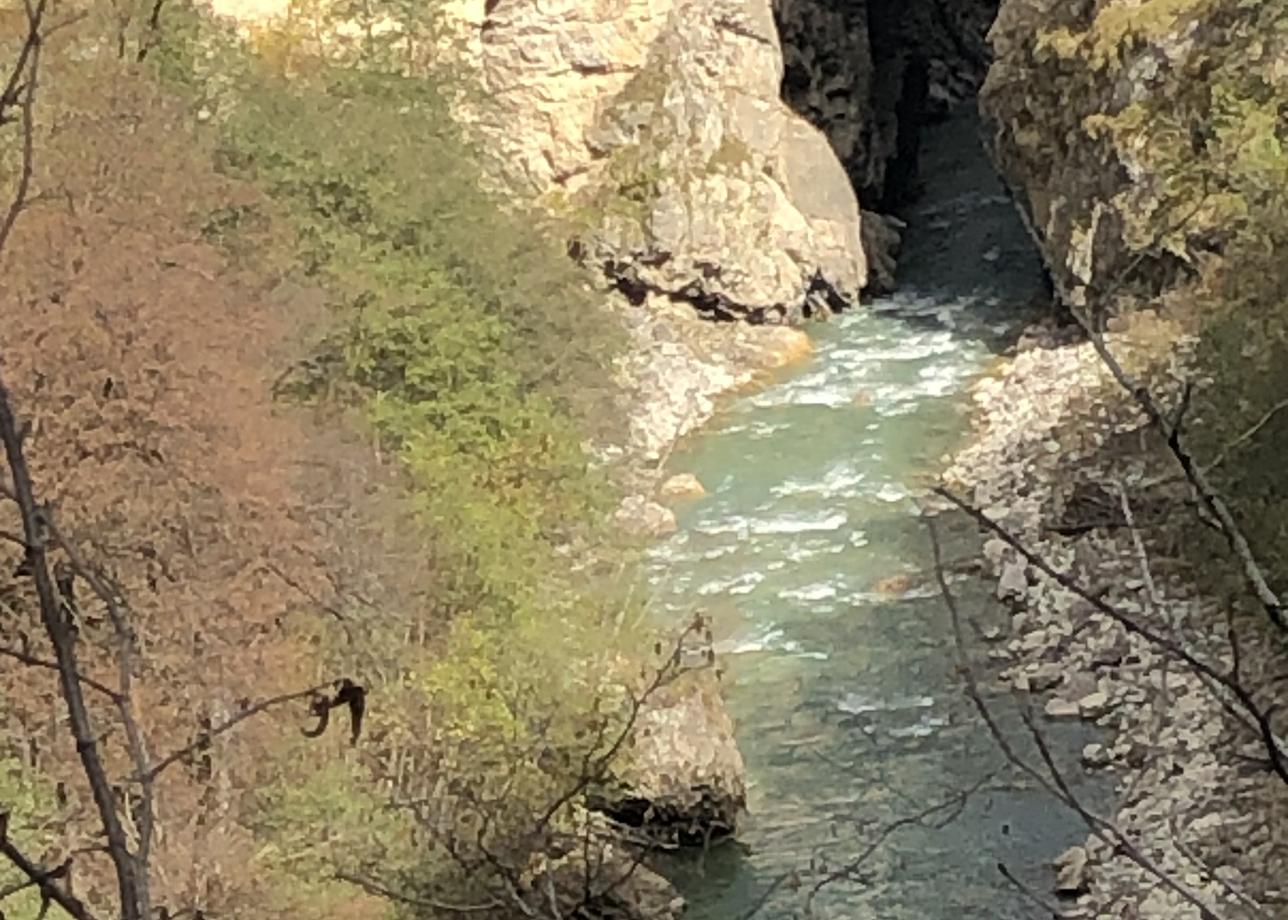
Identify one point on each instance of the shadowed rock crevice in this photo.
(871, 73)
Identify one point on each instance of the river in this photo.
(809, 556)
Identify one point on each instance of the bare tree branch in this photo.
(20, 92)
(1248, 435)
(35, 662)
(43, 879)
(1029, 894)
(62, 639)
(1235, 698)
(204, 737)
(944, 812)
(1054, 783)
(1195, 474)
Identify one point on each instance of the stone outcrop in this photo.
(1061, 69)
(682, 778)
(868, 73)
(677, 366)
(657, 125)
(615, 885)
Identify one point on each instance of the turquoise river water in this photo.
(809, 556)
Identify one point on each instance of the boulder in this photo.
(1093, 705)
(619, 887)
(1095, 755)
(776, 347)
(682, 777)
(893, 585)
(1013, 583)
(1073, 872)
(590, 870)
(1057, 708)
(881, 242)
(658, 128)
(640, 517)
(682, 486)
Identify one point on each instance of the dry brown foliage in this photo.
(143, 358)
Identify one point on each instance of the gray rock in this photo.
(682, 777)
(1095, 755)
(1072, 870)
(639, 516)
(1057, 708)
(1013, 582)
(1093, 705)
(619, 887)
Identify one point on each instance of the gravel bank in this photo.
(1057, 444)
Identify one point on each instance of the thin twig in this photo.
(1248, 435)
(1240, 698)
(1209, 497)
(949, 809)
(371, 886)
(204, 737)
(1029, 894)
(35, 662)
(23, 95)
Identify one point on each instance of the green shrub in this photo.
(482, 358)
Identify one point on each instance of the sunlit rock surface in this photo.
(682, 777)
(658, 126)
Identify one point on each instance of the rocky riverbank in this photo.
(672, 376)
(1057, 449)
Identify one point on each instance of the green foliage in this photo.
(480, 356)
(29, 802)
(478, 348)
(303, 827)
(1241, 419)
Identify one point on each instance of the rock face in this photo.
(683, 778)
(658, 126)
(678, 366)
(869, 72)
(1060, 71)
(619, 887)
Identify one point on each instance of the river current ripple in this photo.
(809, 557)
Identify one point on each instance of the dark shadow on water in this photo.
(967, 263)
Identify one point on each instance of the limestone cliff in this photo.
(1108, 119)
(658, 126)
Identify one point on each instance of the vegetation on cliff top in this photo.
(1197, 123)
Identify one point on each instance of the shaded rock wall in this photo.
(868, 73)
(1091, 199)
